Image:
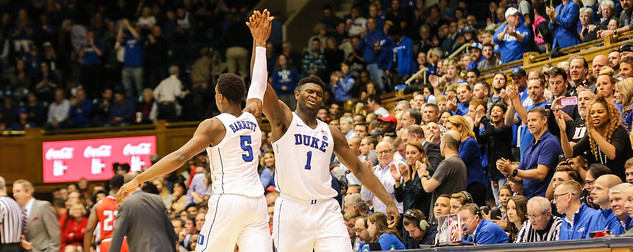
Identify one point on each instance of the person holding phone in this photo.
(607, 141)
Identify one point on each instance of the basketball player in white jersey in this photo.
(238, 213)
(306, 216)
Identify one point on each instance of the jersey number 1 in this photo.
(309, 154)
(245, 142)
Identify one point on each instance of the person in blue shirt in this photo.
(90, 59)
(464, 96)
(536, 168)
(376, 48)
(342, 83)
(122, 110)
(284, 80)
(267, 177)
(577, 217)
(478, 229)
(470, 153)
(564, 23)
(132, 72)
(402, 63)
(512, 38)
(80, 114)
(607, 220)
(535, 91)
(380, 232)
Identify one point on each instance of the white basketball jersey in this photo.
(235, 159)
(302, 161)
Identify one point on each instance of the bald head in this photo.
(600, 192)
(452, 139)
(597, 64)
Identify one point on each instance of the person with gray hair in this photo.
(355, 202)
(346, 125)
(617, 197)
(541, 224)
(607, 10)
(401, 106)
(10, 221)
(166, 93)
(588, 29)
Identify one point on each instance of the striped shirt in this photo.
(528, 234)
(11, 216)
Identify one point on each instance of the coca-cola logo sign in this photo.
(66, 161)
(101, 151)
(62, 153)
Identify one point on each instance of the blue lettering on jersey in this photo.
(240, 125)
(311, 142)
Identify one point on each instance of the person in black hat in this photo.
(626, 50)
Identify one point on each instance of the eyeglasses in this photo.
(558, 195)
(383, 152)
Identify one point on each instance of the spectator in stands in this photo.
(19, 79)
(541, 225)
(402, 64)
(284, 80)
(617, 197)
(628, 166)
(157, 49)
(606, 219)
(430, 113)
(46, 83)
(146, 109)
(607, 12)
(512, 38)
(374, 104)
(488, 59)
(478, 229)
(497, 137)
(355, 21)
(415, 133)
(607, 140)
(360, 228)
(75, 226)
(598, 62)
(624, 98)
(499, 80)
(90, 54)
(517, 215)
(587, 30)
(535, 91)
(539, 159)
(558, 84)
(376, 48)
(355, 202)
(624, 21)
(201, 69)
(442, 206)
(567, 199)
(458, 200)
(452, 168)
(578, 70)
(42, 231)
(605, 83)
(178, 198)
(122, 110)
(563, 22)
(35, 110)
(469, 153)
(333, 55)
(379, 232)
(80, 114)
(385, 153)
(464, 96)
(166, 93)
(342, 83)
(418, 230)
(132, 72)
(267, 175)
(411, 117)
(408, 188)
(626, 67)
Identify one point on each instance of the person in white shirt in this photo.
(58, 110)
(374, 103)
(385, 153)
(166, 93)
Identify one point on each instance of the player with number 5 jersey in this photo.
(238, 213)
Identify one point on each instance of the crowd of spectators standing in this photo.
(537, 155)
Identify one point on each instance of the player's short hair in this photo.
(116, 182)
(232, 87)
(311, 79)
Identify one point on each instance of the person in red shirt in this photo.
(75, 226)
(104, 213)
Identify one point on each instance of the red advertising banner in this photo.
(68, 161)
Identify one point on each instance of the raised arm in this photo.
(260, 26)
(364, 174)
(208, 131)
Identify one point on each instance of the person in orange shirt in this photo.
(104, 213)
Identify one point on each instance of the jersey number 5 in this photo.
(245, 142)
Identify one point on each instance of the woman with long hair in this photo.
(624, 97)
(410, 192)
(163, 191)
(517, 215)
(268, 174)
(178, 198)
(607, 141)
(380, 232)
(470, 153)
(284, 80)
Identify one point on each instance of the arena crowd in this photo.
(538, 155)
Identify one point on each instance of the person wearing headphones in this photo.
(420, 231)
(478, 229)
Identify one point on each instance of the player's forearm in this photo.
(371, 182)
(164, 166)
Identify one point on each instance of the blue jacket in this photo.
(366, 44)
(285, 77)
(607, 220)
(510, 48)
(343, 87)
(582, 221)
(565, 24)
(488, 232)
(386, 240)
(470, 153)
(403, 55)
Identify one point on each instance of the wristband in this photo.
(260, 72)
